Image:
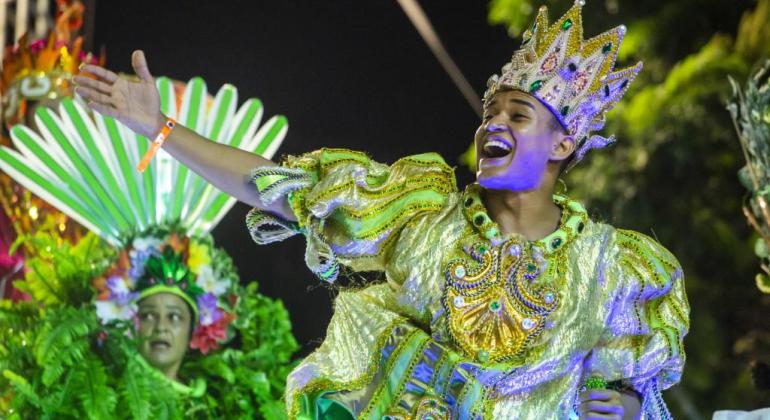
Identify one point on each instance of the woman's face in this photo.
(165, 324)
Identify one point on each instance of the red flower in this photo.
(207, 337)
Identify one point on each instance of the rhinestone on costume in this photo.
(607, 48)
(555, 243)
(478, 220)
(482, 250)
(567, 24)
(564, 110)
(531, 268)
(528, 323)
(468, 202)
(515, 250)
(549, 297)
(581, 226)
(495, 306)
(458, 301)
(460, 272)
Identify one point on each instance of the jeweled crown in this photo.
(573, 77)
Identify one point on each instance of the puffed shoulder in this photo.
(350, 207)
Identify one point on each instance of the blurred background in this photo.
(357, 75)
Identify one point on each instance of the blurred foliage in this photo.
(57, 361)
(674, 172)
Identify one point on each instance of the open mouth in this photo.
(160, 344)
(496, 147)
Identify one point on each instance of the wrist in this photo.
(160, 122)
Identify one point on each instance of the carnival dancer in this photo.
(147, 286)
(502, 300)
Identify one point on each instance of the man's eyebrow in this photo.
(523, 102)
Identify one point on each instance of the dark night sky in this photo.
(346, 73)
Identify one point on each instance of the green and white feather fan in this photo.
(84, 163)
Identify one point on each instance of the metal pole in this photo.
(22, 14)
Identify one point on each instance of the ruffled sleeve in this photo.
(641, 347)
(350, 208)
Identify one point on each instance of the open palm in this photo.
(135, 103)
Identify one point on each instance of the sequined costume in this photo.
(468, 323)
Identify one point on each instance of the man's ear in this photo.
(563, 147)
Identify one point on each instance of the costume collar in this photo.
(573, 220)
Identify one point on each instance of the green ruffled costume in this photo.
(468, 323)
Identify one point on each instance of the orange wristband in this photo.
(156, 144)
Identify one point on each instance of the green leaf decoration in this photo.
(135, 391)
(64, 340)
(23, 387)
(96, 397)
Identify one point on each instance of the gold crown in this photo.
(573, 77)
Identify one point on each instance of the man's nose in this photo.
(495, 126)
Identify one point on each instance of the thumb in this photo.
(140, 66)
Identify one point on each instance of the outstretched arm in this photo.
(137, 105)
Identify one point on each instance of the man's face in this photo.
(515, 142)
(164, 329)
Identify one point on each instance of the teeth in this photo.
(497, 143)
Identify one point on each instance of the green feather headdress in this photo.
(83, 163)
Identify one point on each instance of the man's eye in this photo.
(147, 316)
(519, 117)
(487, 117)
(175, 317)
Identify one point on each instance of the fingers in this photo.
(139, 62)
(599, 416)
(603, 407)
(601, 404)
(599, 394)
(100, 72)
(93, 84)
(103, 109)
(94, 95)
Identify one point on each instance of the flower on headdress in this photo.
(120, 291)
(108, 311)
(143, 248)
(199, 257)
(207, 306)
(209, 283)
(146, 243)
(207, 337)
(121, 301)
(177, 243)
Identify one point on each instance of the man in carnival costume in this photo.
(152, 275)
(502, 300)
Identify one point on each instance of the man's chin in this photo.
(492, 181)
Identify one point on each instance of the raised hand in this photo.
(135, 103)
